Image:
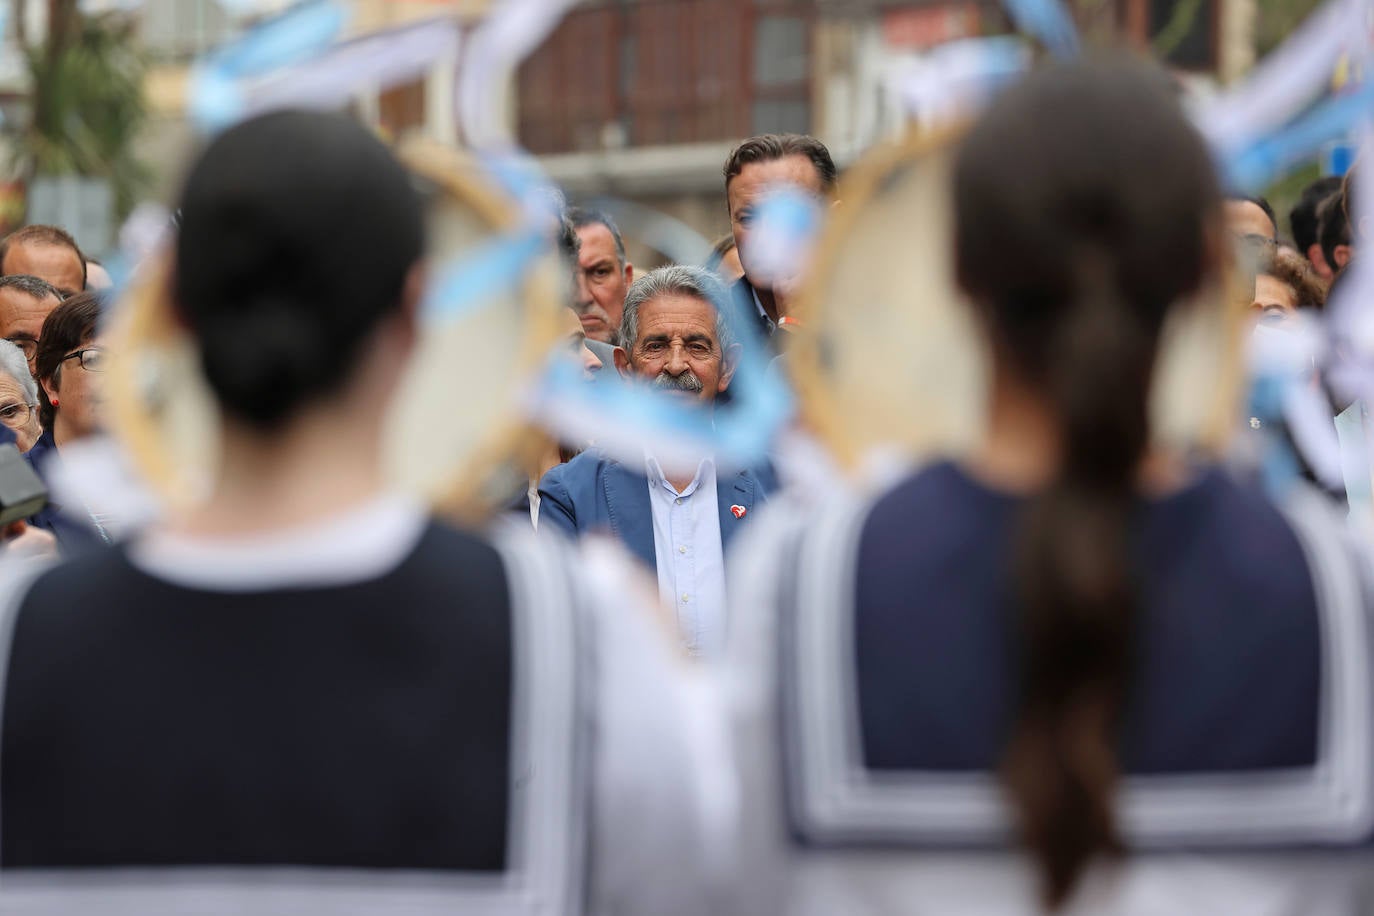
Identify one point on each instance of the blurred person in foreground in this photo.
(604, 274)
(757, 167)
(1305, 223)
(677, 524)
(25, 303)
(48, 252)
(306, 694)
(1110, 669)
(70, 361)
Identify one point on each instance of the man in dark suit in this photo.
(756, 167)
(677, 522)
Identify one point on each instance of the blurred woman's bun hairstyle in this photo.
(297, 232)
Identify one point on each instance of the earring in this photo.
(54, 402)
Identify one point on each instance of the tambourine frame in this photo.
(145, 319)
(860, 185)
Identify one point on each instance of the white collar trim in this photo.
(356, 545)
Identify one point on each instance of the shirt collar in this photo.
(657, 478)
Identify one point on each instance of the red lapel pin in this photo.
(738, 511)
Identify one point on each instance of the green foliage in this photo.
(87, 105)
(1276, 19)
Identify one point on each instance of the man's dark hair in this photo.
(771, 147)
(286, 264)
(587, 216)
(36, 287)
(1264, 205)
(569, 245)
(1333, 228)
(65, 329)
(1302, 219)
(39, 234)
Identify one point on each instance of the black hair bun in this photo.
(266, 359)
(298, 230)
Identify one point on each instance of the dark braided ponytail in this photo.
(1073, 248)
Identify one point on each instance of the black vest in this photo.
(362, 726)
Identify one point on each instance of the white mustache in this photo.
(687, 381)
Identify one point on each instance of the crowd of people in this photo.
(1070, 670)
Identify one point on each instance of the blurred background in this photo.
(641, 99)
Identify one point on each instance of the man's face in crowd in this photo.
(601, 283)
(748, 189)
(21, 319)
(1275, 300)
(1246, 218)
(575, 341)
(57, 264)
(677, 349)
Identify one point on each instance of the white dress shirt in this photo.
(687, 550)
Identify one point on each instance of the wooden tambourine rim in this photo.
(858, 187)
(144, 316)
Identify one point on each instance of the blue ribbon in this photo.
(298, 34)
(1049, 22)
(1262, 162)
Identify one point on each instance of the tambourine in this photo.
(891, 363)
(456, 436)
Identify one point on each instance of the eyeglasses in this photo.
(27, 344)
(92, 358)
(16, 416)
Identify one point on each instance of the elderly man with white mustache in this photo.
(674, 339)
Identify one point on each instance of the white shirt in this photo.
(688, 554)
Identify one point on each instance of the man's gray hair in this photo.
(16, 366)
(36, 287)
(676, 280)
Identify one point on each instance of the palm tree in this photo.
(87, 101)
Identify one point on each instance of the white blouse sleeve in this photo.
(664, 804)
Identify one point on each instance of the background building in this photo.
(645, 98)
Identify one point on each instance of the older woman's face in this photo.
(17, 413)
(1275, 301)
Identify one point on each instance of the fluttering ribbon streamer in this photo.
(1287, 79)
(218, 94)
(1049, 22)
(376, 62)
(626, 417)
(1269, 158)
(954, 80)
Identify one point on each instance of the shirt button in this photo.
(678, 500)
(682, 550)
(685, 597)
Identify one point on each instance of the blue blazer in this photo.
(595, 493)
(74, 530)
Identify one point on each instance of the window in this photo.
(657, 72)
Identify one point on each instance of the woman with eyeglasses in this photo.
(68, 362)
